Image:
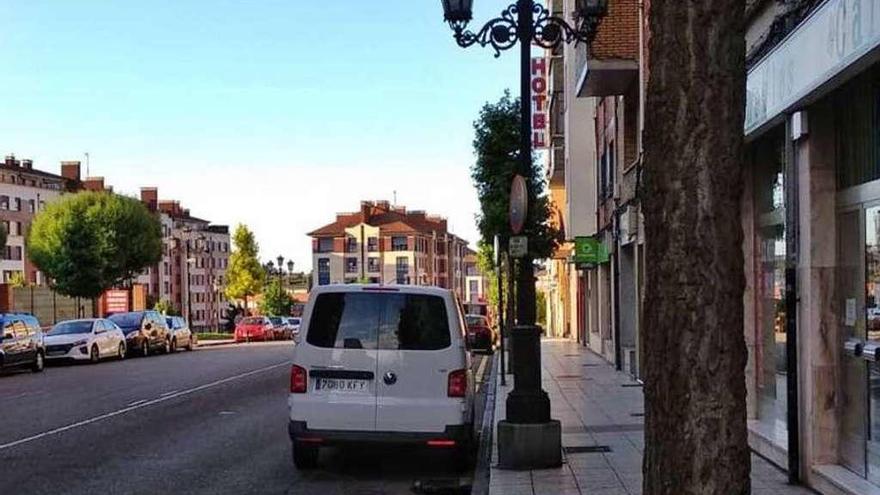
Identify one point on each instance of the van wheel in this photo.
(39, 363)
(305, 456)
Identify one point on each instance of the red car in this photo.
(254, 328)
(480, 335)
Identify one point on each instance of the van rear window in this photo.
(352, 320)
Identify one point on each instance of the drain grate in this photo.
(569, 377)
(587, 449)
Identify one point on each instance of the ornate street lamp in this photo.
(526, 22)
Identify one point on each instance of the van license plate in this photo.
(340, 385)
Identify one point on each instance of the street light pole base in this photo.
(529, 446)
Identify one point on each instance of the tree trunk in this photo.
(695, 354)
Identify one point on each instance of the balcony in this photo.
(612, 64)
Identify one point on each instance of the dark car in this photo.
(21, 342)
(481, 336)
(145, 331)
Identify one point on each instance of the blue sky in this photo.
(276, 113)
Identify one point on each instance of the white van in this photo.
(383, 364)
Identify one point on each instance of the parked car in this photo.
(254, 328)
(85, 340)
(145, 331)
(21, 342)
(381, 364)
(181, 335)
(481, 336)
(294, 323)
(280, 330)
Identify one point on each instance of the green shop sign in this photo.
(588, 250)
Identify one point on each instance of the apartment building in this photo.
(24, 191)
(386, 244)
(475, 282)
(195, 255)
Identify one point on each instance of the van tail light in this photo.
(299, 380)
(441, 443)
(458, 383)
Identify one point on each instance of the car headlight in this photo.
(80, 342)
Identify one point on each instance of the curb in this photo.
(212, 343)
(482, 471)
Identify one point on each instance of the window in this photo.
(372, 244)
(402, 266)
(607, 171)
(323, 271)
(325, 245)
(474, 290)
(16, 204)
(351, 265)
(350, 244)
(414, 322)
(354, 320)
(32, 205)
(345, 321)
(398, 243)
(4, 202)
(373, 264)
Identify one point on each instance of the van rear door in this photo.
(340, 355)
(417, 352)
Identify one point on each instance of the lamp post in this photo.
(528, 438)
(290, 272)
(280, 260)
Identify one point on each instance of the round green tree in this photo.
(91, 241)
(276, 301)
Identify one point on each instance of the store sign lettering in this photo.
(539, 103)
(832, 38)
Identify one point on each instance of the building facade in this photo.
(191, 274)
(386, 244)
(24, 191)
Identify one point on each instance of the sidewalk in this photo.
(602, 432)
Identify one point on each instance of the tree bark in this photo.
(695, 354)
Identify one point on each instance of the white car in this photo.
(381, 364)
(85, 340)
(294, 323)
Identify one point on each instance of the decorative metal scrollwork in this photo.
(547, 31)
(501, 33)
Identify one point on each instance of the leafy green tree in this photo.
(166, 307)
(486, 266)
(276, 301)
(245, 275)
(496, 144)
(91, 241)
(18, 280)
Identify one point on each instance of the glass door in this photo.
(850, 302)
(872, 328)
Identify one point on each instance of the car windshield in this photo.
(252, 321)
(127, 320)
(477, 320)
(295, 321)
(72, 327)
(275, 320)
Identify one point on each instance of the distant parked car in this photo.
(85, 340)
(294, 323)
(181, 335)
(145, 331)
(254, 328)
(21, 342)
(480, 334)
(280, 330)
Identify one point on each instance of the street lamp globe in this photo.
(591, 8)
(290, 266)
(280, 262)
(458, 10)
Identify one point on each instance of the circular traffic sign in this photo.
(519, 204)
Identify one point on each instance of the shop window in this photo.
(857, 125)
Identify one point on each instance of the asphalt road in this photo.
(209, 421)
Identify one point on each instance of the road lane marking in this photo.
(166, 394)
(481, 369)
(130, 408)
(137, 402)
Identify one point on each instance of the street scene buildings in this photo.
(809, 216)
(384, 243)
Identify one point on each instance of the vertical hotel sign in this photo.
(831, 39)
(539, 103)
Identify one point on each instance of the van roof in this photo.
(402, 289)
